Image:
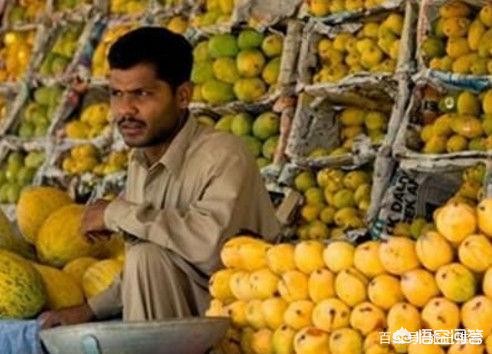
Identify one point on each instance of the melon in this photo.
(77, 268)
(60, 240)
(100, 276)
(61, 290)
(34, 206)
(22, 293)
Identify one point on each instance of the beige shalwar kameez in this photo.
(180, 211)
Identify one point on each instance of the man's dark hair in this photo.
(169, 53)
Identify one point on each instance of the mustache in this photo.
(129, 120)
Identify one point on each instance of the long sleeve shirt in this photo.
(204, 189)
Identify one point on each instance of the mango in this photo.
(250, 89)
(475, 252)
(311, 340)
(222, 45)
(217, 92)
(455, 221)
(476, 314)
(331, 314)
(367, 317)
(441, 314)
(418, 287)
(456, 282)
(384, 291)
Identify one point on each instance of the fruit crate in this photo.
(37, 108)
(466, 65)
(263, 128)
(251, 90)
(18, 13)
(87, 168)
(331, 208)
(62, 49)
(344, 10)
(444, 122)
(332, 129)
(394, 33)
(19, 47)
(413, 191)
(20, 166)
(86, 116)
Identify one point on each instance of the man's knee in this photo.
(145, 254)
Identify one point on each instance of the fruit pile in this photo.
(66, 267)
(93, 121)
(86, 158)
(16, 54)
(374, 48)
(38, 112)
(460, 39)
(16, 172)
(61, 54)
(354, 122)
(26, 11)
(214, 12)
(335, 201)
(100, 66)
(63, 5)
(322, 8)
(227, 67)
(130, 7)
(463, 122)
(336, 298)
(260, 133)
(177, 24)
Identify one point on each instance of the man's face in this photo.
(145, 108)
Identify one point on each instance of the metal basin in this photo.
(177, 336)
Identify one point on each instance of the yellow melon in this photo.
(22, 293)
(100, 276)
(34, 206)
(61, 290)
(77, 268)
(60, 240)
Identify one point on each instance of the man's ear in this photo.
(184, 93)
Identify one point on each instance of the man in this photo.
(189, 188)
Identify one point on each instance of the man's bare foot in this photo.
(68, 316)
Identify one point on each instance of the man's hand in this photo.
(93, 226)
(68, 316)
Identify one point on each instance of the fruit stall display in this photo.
(445, 121)
(455, 38)
(377, 45)
(387, 169)
(313, 297)
(331, 10)
(335, 202)
(39, 110)
(243, 66)
(343, 126)
(62, 49)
